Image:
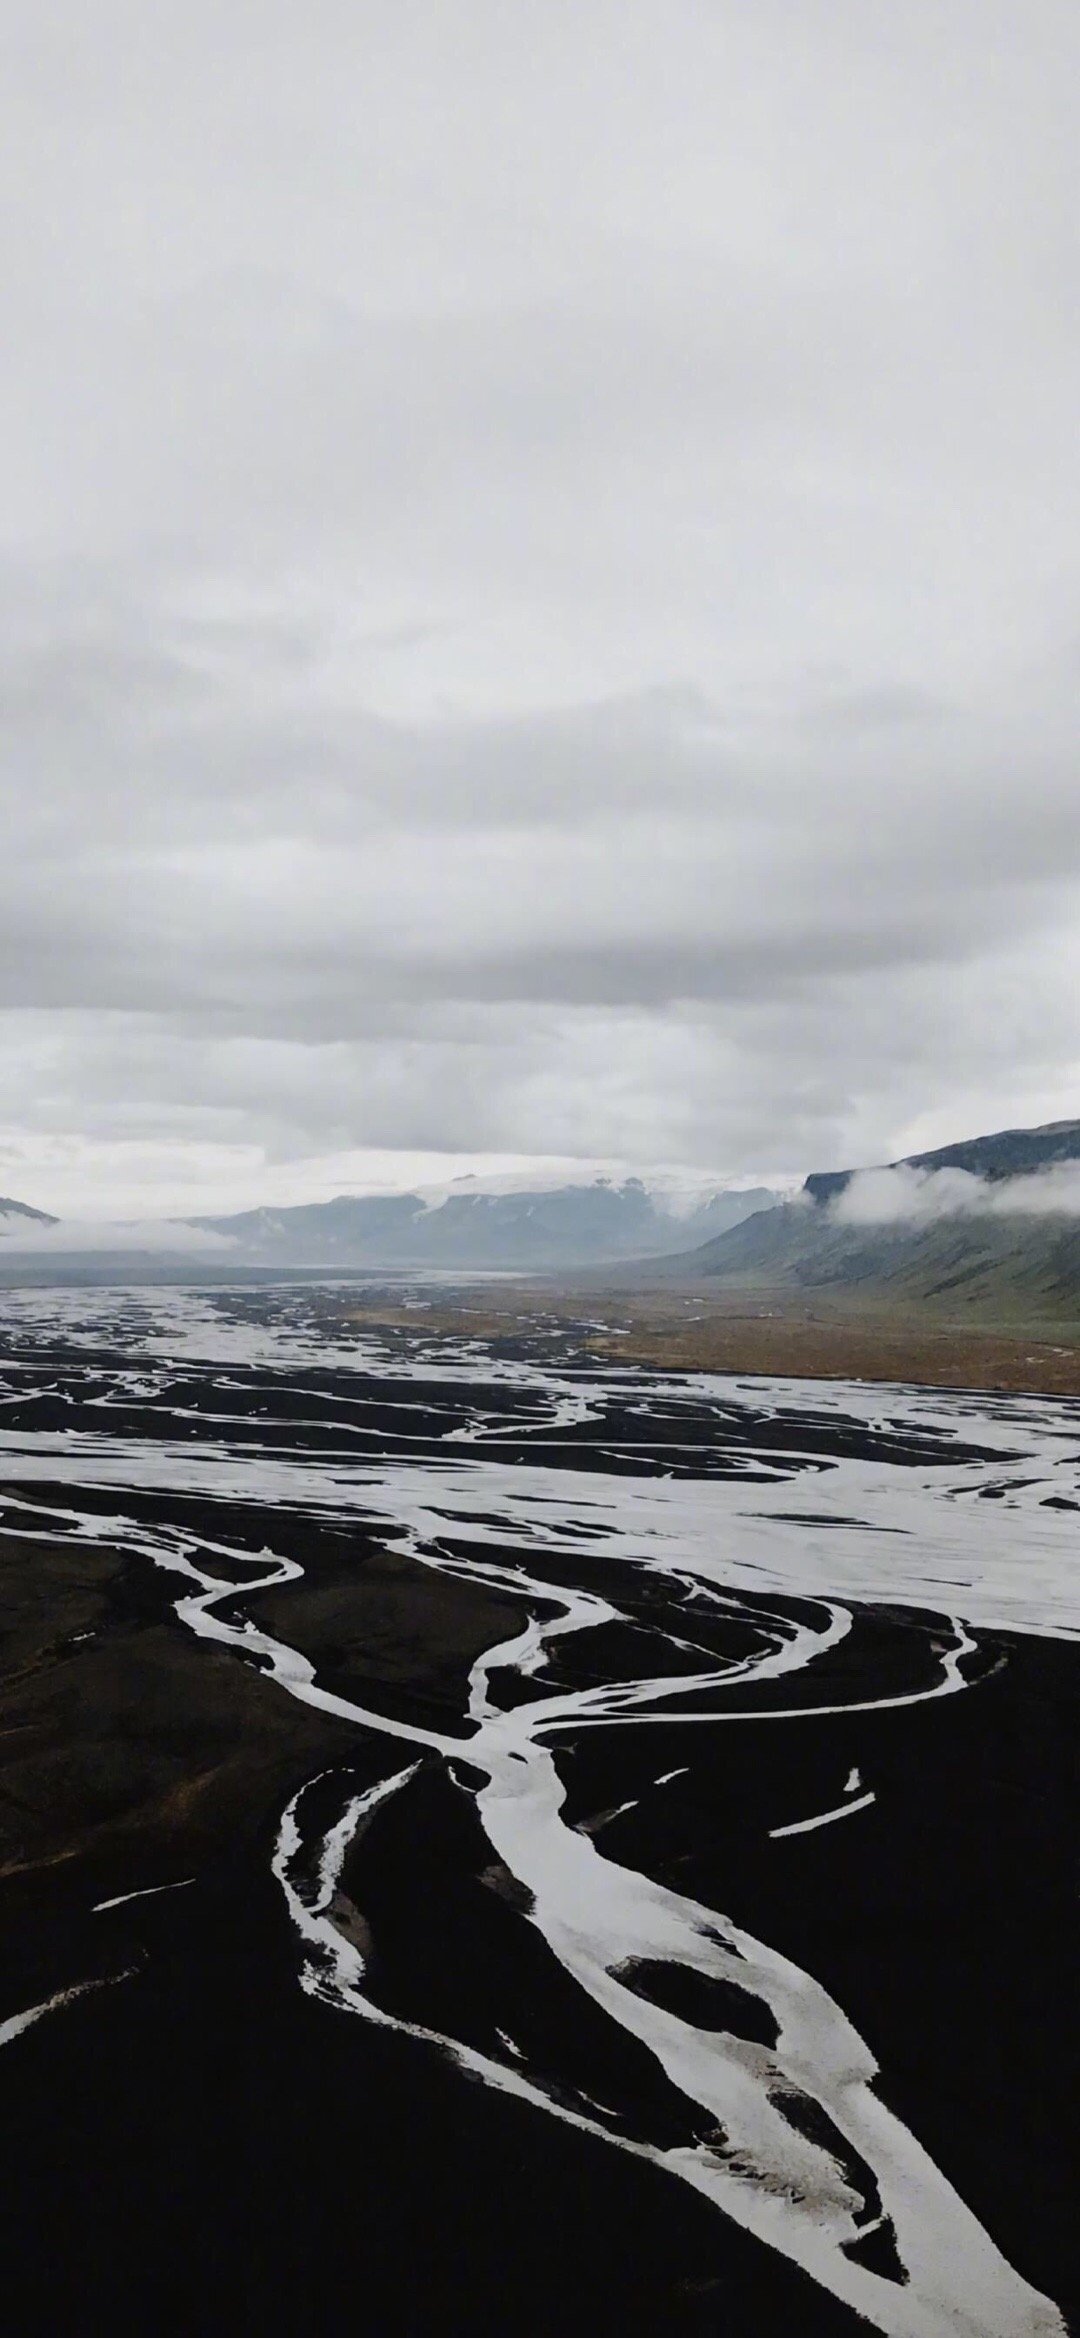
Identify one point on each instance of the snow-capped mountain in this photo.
(479, 1222)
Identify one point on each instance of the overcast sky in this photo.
(539, 587)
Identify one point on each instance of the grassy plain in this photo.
(703, 1330)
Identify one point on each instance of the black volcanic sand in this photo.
(125, 1736)
(201, 2141)
(196, 2143)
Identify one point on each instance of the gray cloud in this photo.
(538, 588)
(919, 1197)
(72, 1237)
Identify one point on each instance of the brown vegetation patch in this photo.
(685, 1330)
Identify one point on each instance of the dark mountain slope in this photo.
(1014, 1266)
(21, 1209)
(1009, 1152)
(1022, 1264)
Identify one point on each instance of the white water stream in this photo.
(972, 1541)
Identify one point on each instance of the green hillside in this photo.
(1008, 1268)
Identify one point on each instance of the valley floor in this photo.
(490, 1842)
(703, 1330)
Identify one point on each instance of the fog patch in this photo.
(71, 1235)
(910, 1196)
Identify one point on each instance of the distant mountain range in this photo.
(989, 1228)
(565, 1226)
(539, 1230)
(977, 1245)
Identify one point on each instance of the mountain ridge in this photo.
(21, 1209)
(1022, 1261)
(561, 1226)
(1006, 1152)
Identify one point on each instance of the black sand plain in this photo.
(194, 2143)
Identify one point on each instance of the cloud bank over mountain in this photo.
(74, 1237)
(907, 1195)
(539, 589)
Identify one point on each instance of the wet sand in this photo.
(195, 2136)
(125, 1740)
(198, 2130)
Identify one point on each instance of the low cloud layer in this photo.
(539, 588)
(919, 1197)
(73, 1237)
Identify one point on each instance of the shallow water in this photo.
(743, 1606)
